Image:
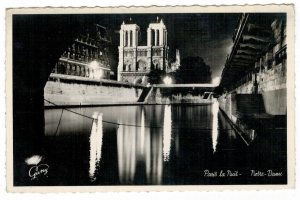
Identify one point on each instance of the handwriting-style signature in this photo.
(38, 170)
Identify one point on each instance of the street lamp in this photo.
(94, 65)
(216, 80)
(168, 80)
(97, 72)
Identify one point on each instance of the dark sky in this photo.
(204, 35)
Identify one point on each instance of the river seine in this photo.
(156, 145)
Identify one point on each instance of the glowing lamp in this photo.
(94, 65)
(168, 80)
(216, 81)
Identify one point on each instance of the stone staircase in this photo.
(145, 93)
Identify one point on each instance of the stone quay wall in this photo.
(82, 94)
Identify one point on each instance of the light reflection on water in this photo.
(142, 135)
(95, 144)
(126, 140)
(166, 140)
(139, 145)
(215, 126)
(167, 132)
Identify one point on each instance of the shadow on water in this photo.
(170, 145)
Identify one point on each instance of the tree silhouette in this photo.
(156, 76)
(193, 70)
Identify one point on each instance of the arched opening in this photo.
(131, 38)
(73, 70)
(61, 69)
(138, 81)
(68, 69)
(87, 72)
(157, 37)
(126, 39)
(128, 68)
(82, 71)
(78, 70)
(156, 64)
(141, 65)
(33, 61)
(153, 37)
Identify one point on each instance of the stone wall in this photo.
(272, 86)
(275, 101)
(163, 96)
(62, 93)
(227, 103)
(272, 79)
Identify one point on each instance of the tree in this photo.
(193, 70)
(156, 76)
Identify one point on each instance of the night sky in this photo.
(205, 35)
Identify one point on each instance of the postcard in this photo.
(150, 98)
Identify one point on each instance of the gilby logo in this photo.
(36, 171)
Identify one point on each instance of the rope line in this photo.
(62, 111)
(118, 124)
(109, 122)
(71, 110)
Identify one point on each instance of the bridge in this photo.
(253, 43)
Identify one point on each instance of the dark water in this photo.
(165, 145)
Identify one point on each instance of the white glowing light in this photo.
(168, 80)
(167, 132)
(96, 71)
(33, 160)
(100, 73)
(96, 138)
(216, 80)
(142, 133)
(126, 147)
(94, 65)
(215, 110)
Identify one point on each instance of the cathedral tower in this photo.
(135, 61)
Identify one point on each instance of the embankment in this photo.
(80, 91)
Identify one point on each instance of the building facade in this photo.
(175, 65)
(135, 62)
(87, 56)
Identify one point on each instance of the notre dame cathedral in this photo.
(135, 61)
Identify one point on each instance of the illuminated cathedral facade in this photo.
(135, 61)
